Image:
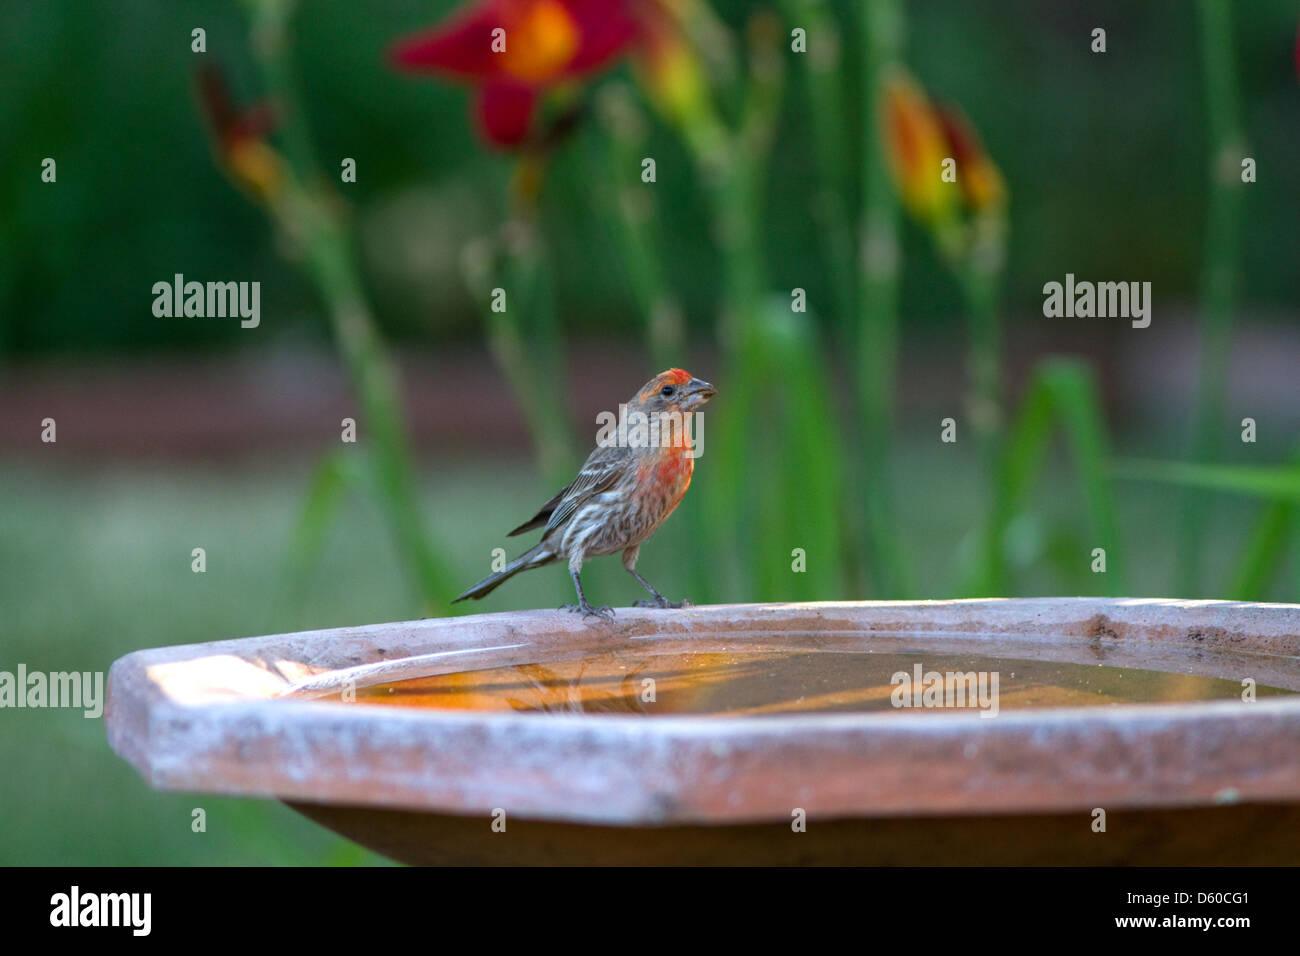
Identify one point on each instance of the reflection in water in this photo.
(771, 682)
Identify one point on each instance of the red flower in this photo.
(513, 51)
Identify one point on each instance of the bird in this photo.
(630, 483)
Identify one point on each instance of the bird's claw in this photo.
(663, 602)
(607, 613)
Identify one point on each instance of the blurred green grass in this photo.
(83, 585)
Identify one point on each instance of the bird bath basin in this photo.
(755, 733)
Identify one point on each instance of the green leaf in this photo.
(334, 474)
(801, 508)
(1264, 552)
(1061, 395)
(1279, 485)
(1274, 482)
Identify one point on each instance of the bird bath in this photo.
(754, 733)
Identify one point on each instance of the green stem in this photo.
(877, 354)
(1222, 240)
(980, 275)
(980, 282)
(526, 339)
(831, 201)
(635, 219)
(732, 165)
(831, 205)
(508, 276)
(309, 216)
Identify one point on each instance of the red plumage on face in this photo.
(674, 376)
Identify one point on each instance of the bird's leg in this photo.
(660, 600)
(629, 562)
(575, 568)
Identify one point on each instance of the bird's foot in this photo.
(586, 610)
(663, 602)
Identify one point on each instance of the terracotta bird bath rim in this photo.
(247, 717)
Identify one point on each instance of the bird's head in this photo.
(675, 390)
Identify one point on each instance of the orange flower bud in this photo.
(256, 166)
(238, 138)
(981, 183)
(668, 69)
(916, 147)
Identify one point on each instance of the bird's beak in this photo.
(698, 392)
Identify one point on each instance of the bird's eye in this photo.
(667, 391)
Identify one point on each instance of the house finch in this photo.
(623, 493)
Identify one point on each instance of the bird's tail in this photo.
(534, 557)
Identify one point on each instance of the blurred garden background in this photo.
(776, 169)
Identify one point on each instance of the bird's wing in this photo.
(602, 469)
(543, 513)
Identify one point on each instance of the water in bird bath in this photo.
(742, 681)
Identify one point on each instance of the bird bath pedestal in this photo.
(1086, 731)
